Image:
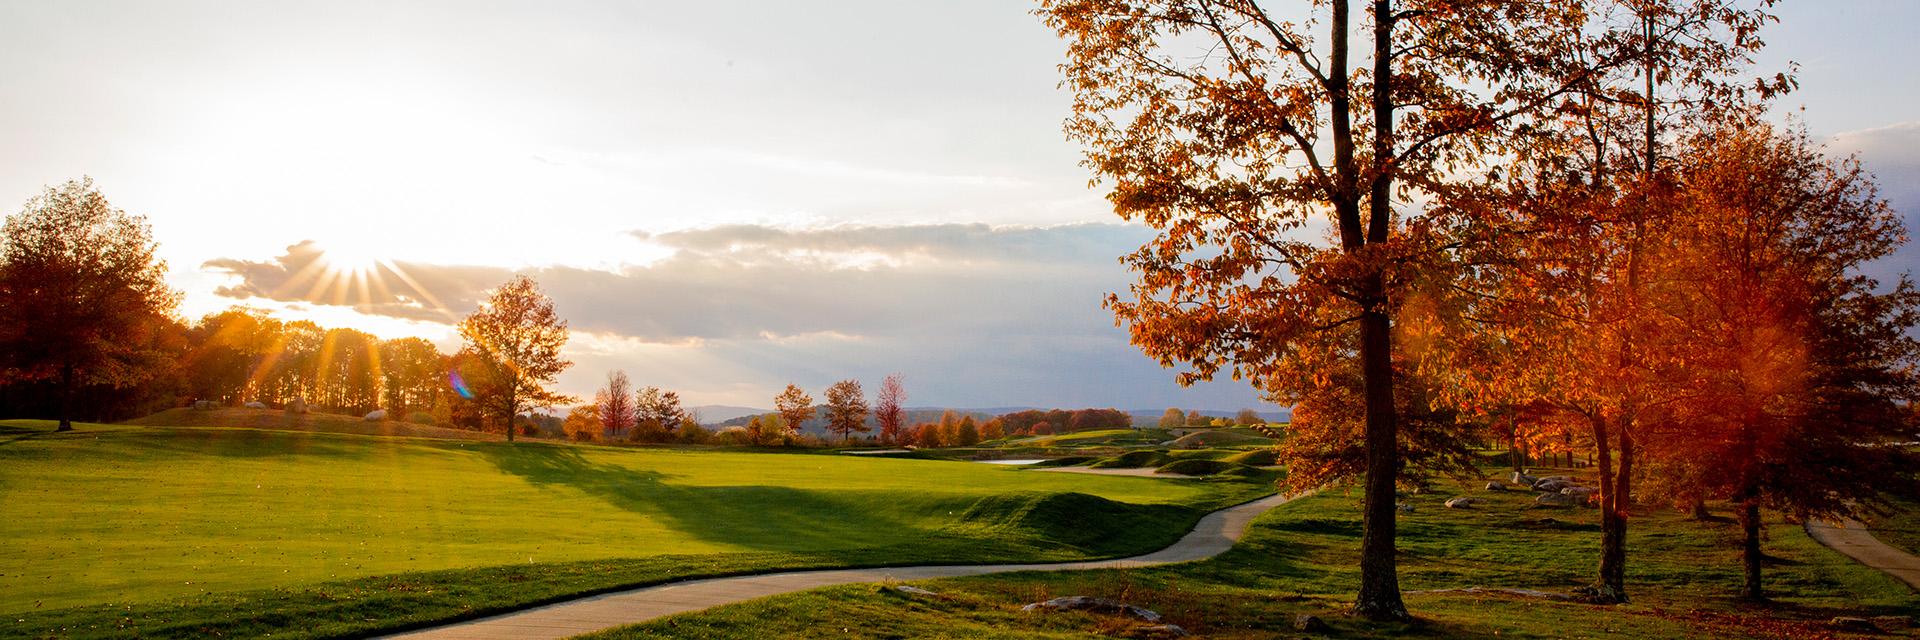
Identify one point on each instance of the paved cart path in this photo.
(1858, 543)
(1216, 532)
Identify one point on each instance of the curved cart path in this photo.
(1856, 542)
(1216, 532)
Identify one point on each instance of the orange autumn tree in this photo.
(887, 409)
(847, 409)
(1234, 131)
(795, 407)
(1582, 218)
(1793, 367)
(517, 338)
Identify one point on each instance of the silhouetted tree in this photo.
(82, 294)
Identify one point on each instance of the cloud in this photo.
(1892, 154)
(973, 315)
(748, 282)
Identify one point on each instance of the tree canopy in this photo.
(518, 337)
(83, 293)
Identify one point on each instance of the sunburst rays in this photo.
(339, 276)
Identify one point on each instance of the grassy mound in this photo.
(1216, 438)
(1089, 523)
(1134, 460)
(1195, 467)
(1252, 473)
(1200, 454)
(1256, 458)
(317, 422)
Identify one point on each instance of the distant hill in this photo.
(1151, 417)
(908, 418)
(711, 414)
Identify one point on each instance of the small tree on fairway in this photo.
(659, 407)
(886, 408)
(615, 403)
(81, 291)
(1248, 417)
(756, 432)
(795, 407)
(518, 337)
(846, 409)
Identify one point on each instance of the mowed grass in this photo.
(132, 515)
(1301, 558)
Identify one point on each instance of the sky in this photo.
(721, 198)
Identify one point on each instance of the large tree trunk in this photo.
(1750, 555)
(1379, 597)
(1613, 526)
(66, 399)
(513, 406)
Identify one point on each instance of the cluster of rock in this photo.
(1559, 491)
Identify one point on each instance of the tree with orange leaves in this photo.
(1230, 129)
(517, 336)
(1581, 224)
(795, 408)
(1795, 366)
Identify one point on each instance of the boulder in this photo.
(1495, 486)
(915, 590)
(1161, 631)
(1557, 500)
(1421, 490)
(256, 405)
(1404, 507)
(1522, 479)
(1566, 479)
(205, 405)
(1584, 493)
(1855, 625)
(297, 405)
(1098, 605)
(377, 415)
(1309, 623)
(1461, 502)
(1550, 485)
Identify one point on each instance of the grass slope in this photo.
(211, 525)
(1301, 558)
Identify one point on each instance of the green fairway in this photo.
(129, 515)
(1301, 558)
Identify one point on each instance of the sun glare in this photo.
(349, 258)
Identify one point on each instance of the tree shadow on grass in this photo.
(758, 517)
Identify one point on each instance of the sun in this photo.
(349, 258)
